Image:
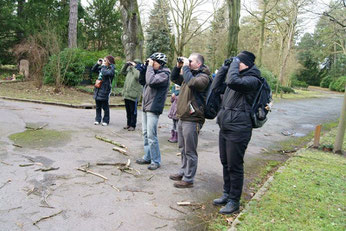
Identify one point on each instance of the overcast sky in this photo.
(309, 20)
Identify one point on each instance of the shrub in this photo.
(338, 84)
(269, 76)
(297, 83)
(326, 81)
(286, 89)
(65, 68)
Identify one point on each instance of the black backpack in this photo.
(215, 89)
(261, 105)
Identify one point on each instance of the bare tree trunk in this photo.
(234, 15)
(132, 37)
(20, 16)
(72, 28)
(341, 128)
(262, 25)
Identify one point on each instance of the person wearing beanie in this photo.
(235, 125)
(132, 92)
(106, 70)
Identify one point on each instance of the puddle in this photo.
(298, 134)
(40, 138)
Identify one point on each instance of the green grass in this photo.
(307, 195)
(299, 94)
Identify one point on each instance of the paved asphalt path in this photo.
(144, 202)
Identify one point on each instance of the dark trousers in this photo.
(102, 104)
(232, 159)
(131, 112)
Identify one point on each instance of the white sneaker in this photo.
(104, 124)
(96, 123)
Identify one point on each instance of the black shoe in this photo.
(176, 177)
(230, 207)
(142, 161)
(222, 200)
(153, 166)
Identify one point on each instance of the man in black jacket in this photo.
(236, 127)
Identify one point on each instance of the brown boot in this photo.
(172, 136)
(183, 184)
(176, 177)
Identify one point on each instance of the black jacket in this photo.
(234, 115)
(104, 91)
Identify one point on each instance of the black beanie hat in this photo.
(247, 58)
(110, 59)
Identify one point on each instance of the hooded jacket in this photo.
(104, 91)
(234, 115)
(155, 89)
(192, 96)
(132, 88)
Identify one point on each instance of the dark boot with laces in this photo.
(230, 207)
(222, 200)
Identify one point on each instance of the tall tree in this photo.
(159, 35)
(265, 6)
(184, 13)
(72, 28)
(103, 26)
(234, 15)
(132, 37)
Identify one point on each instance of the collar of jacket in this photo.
(201, 69)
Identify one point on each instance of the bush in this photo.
(286, 89)
(325, 82)
(338, 84)
(66, 66)
(297, 83)
(269, 76)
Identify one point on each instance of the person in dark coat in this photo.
(106, 70)
(172, 114)
(235, 126)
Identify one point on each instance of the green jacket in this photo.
(132, 88)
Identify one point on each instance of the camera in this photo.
(228, 61)
(146, 62)
(180, 60)
(100, 60)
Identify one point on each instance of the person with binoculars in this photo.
(155, 78)
(193, 77)
(132, 92)
(103, 87)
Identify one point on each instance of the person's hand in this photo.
(173, 96)
(179, 65)
(131, 63)
(151, 62)
(186, 61)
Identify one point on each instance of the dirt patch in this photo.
(40, 138)
(27, 90)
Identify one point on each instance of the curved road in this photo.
(123, 202)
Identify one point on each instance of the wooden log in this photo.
(93, 173)
(317, 136)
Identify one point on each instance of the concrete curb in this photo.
(81, 106)
(260, 193)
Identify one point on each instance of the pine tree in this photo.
(159, 36)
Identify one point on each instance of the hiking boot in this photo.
(142, 161)
(131, 129)
(222, 200)
(230, 207)
(176, 177)
(183, 184)
(153, 166)
(126, 127)
(96, 123)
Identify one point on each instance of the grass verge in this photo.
(307, 195)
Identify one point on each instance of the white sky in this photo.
(310, 19)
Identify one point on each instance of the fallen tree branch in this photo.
(17, 145)
(31, 164)
(44, 218)
(6, 163)
(135, 190)
(110, 141)
(47, 169)
(121, 150)
(8, 181)
(177, 210)
(160, 227)
(150, 177)
(93, 173)
(111, 164)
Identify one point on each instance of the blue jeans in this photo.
(151, 143)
